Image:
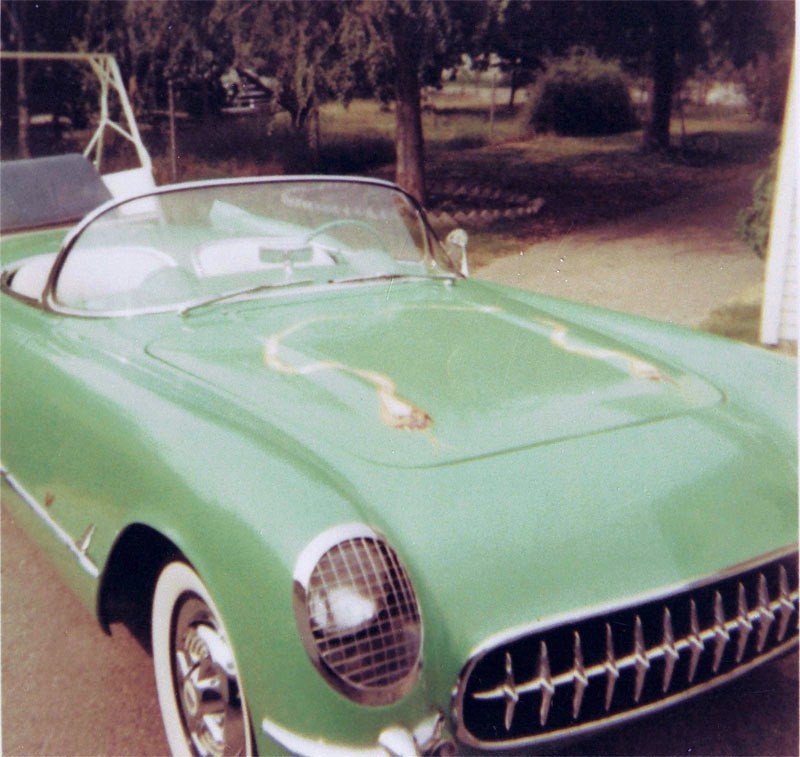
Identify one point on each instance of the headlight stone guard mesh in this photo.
(376, 660)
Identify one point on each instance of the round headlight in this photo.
(358, 615)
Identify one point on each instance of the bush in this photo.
(752, 224)
(766, 82)
(581, 95)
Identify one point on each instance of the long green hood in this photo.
(523, 465)
(422, 375)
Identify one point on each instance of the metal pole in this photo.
(492, 107)
(172, 149)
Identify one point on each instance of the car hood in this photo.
(425, 374)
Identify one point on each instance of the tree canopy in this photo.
(396, 46)
(326, 49)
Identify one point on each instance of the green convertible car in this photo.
(366, 504)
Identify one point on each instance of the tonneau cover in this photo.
(48, 191)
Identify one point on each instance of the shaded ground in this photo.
(586, 182)
(67, 688)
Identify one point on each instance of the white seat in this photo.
(90, 274)
(31, 277)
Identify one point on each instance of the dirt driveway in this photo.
(676, 262)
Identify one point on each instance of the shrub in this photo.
(752, 223)
(581, 95)
(766, 82)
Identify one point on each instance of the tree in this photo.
(670, 39)
(187, 43)
(664, 30)
(664, 39)
(525, 32)
(398, 46)
(15, 99)
(755, 39)
(38, 88)
(660, 38)
(294, 42)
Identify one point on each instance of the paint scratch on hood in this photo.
(559, 337)
(395, 411)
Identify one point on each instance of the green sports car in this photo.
(366, 504)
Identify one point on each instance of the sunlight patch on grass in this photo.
(736, 320)
(742, 321)
(740, 318)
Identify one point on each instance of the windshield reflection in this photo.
(188, 246)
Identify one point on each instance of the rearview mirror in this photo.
(457, 248)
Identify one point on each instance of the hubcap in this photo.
(206, 682)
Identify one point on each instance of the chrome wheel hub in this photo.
(206, 682)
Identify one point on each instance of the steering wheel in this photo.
(339, 222)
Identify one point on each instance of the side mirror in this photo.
(457, 241)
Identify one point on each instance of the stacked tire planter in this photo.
(477, 207)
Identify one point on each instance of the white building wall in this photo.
(788, 327)
(779, 312)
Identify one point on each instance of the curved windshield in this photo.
(190, 247)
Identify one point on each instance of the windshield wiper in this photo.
(241, 293)
(389, 277)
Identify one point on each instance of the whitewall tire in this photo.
(199, 691)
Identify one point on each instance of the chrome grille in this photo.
(562, 679)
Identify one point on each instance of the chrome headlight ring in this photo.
(358, 615)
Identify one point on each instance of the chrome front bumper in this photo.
(428, 738)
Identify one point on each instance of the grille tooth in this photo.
(671, 653)
(546, 681)
(510, 692)
(610, 665)
(786, 607)
(641, 660)
(765, 614)
(579, 676)
(538, 683)
(744, 624)
(695, 640)
(721, 635)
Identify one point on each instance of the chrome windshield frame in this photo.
(50, 303)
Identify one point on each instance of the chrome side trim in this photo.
(79, 548)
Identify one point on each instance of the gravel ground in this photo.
(677, 262)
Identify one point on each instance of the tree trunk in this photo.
(23, 114)
(512, 95)
(656, 133)
(409, 143)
